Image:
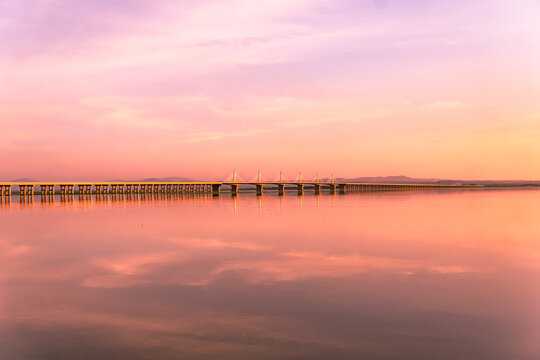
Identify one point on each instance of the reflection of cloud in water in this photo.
(129, 270)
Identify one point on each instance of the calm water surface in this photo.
(420, 275)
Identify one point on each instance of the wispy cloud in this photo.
(448, 105)
(214, 136)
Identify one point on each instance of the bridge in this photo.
(234, 183)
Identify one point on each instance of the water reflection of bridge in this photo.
(234, 185)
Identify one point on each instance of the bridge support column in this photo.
(234, 189)
(281, 189)
(317, 188)
(215, 189)
(259, 189)
(300, 189)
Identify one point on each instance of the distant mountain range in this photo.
(165, 179)
(408, 180)
(373, 179)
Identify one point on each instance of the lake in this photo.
(396, 275)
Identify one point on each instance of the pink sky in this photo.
(108, 89)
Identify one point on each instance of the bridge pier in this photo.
(259, 189)
(215, 189)
(234, 189)
(281, 189)
(66, 189)
(300, 189)
(26, 190)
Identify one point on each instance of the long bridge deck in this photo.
(209, 187)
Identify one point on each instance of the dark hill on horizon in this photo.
(401, 179)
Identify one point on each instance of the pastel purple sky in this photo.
(107, 89)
